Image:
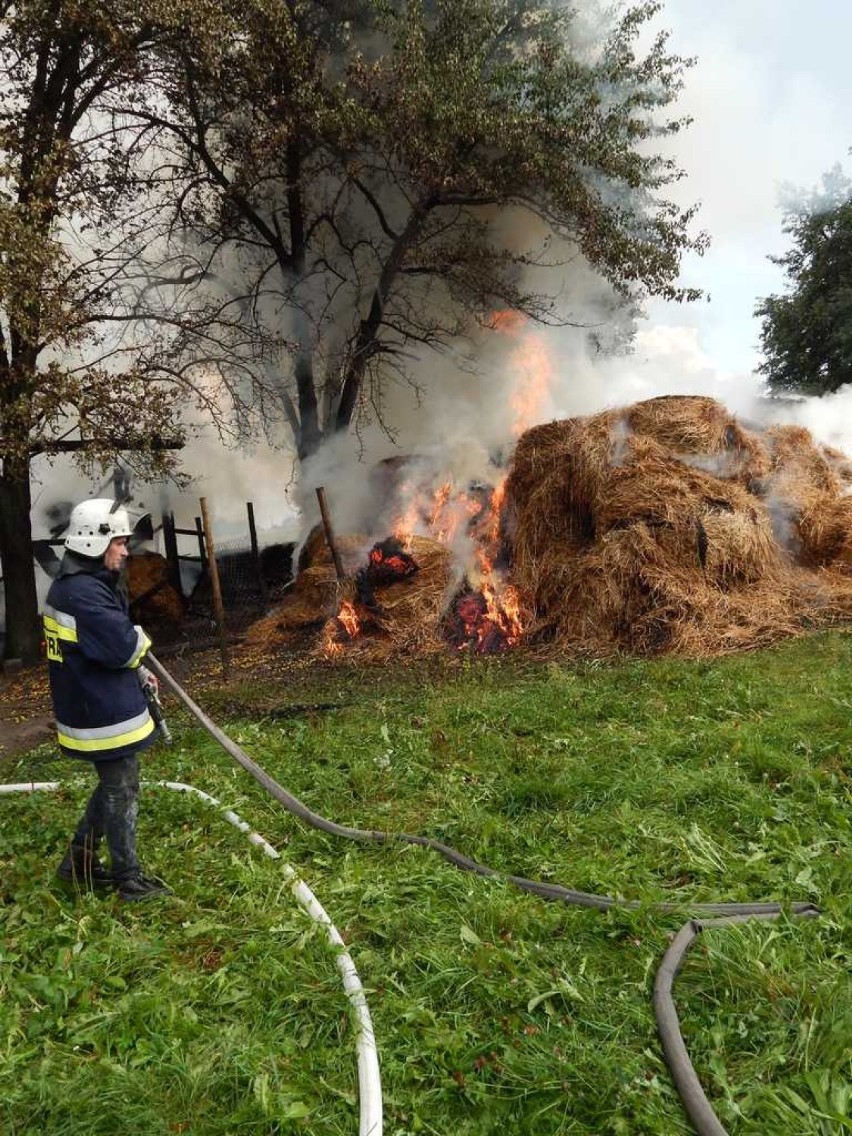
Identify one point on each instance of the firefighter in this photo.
(94, 655)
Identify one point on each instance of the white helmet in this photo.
(93, 524)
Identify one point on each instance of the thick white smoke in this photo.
(463, 421)
(467, 417)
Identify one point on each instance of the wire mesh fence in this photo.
(249, 584)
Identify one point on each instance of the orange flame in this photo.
(536, 373)
(491, 618)
(331, 645)
(533, 366)
(341, 627)
(404, 527)
(493, 609)
(348, 617)
(508, 321)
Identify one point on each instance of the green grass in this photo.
(221, 1010)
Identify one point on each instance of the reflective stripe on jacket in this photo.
(93, 653)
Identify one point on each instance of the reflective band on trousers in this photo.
(60, 624)
(142, 645)
(106, 737)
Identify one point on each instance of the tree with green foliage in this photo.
(347, 167)
(81, 372)
(807, 334)
(64, 171)
(269, 207)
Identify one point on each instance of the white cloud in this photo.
(769, 97)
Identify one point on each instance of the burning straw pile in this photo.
(385, 605)
(667, 526)
(664, 526)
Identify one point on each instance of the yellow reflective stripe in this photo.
(142, 645)
(95, 745)
(97, 733)
(58, 630)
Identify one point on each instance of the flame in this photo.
(395, 564)
(442, 518)
(508, 321)
(344, 626)
(348, 617)
(486, 526)
(536, 373)
(331, 645)
(406, 525)
(502, 607)
(491, 618)
(533, 366)
(490, 614)
(505, 610)
(469, 520)
(451, 510)
(438, 513)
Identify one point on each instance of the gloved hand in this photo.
(148, 678)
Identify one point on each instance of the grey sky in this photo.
(771, 95)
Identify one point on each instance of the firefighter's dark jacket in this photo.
(93, 652)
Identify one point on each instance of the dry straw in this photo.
(406, 617)
(663, 526)
(668, 526)
(151, 590)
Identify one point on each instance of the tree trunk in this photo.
(368, 331)
(23, 633)
(309, 437)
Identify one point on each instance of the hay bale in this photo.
(575, 480)
(841, 465)
(315, 553)
(690, 423)
(657, 488)
(315, 595)
(555, 480)
(419, 599)
(798, 464)
(659, 528)
(700, 432)
(665, 526)
(408, 614)
(408, 611)
(627, 595)
(290, 619)
(808, 490)
(739, 546)
(152, 595)
(825, 528)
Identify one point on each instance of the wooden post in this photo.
(170, 548)
(255, 555)
(218, 606)
(202, 541)
(329, 534)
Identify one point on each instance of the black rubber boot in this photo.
(80, 866)
(136, 888)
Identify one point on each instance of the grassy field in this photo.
(221, 1011)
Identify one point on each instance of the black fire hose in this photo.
(697, 1106)
(686, 1080)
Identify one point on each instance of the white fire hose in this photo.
(369, 1081)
